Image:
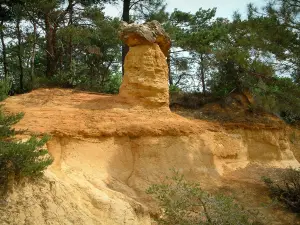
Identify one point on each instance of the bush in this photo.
(279, 96)
(174, 89)
(112, 85)
(6, 122)
(286, 189)
(19, 159)
(60, 80)
(185, 203)
(4, 88)
(190, 100)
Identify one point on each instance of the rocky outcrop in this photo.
(107, 154)
(145, 80)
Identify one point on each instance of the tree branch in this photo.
(134, 3)
(32, 17)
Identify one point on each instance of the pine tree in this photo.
(19, 159)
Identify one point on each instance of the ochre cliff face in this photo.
(107, 154)
(146, 76)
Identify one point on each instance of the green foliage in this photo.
(279, 96)
(6, 12)
(147, 10)
(97, 53)
(4, 88)
(239, 64)
(85, 50)
(24, 159)
(112, 86)
(286, 189)
(275, 32)
(186, 203)
(190, 100)
(196, 34)
(6, 122)
(174, 89)
(238, 56)
(19, 159)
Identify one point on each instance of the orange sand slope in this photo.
(69, 112)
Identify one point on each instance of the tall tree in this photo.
(3, 48)
(277, 28)
(20, 52)
(6, 14)
(125, 18)
(33, 52)
(54, 14)
(197, 33)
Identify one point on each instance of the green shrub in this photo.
(185, 203)
(19, 159)
(4, 88)
(109, 85)
(190, 100)
(286, 189)
(60, 80)
(6, 122)
(112, 85)
(279, 96)
(174, 89)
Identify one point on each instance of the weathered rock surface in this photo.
(146, 77)
(107, 153)
(145, 81)
(144, 34)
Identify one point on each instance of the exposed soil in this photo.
(108, 150)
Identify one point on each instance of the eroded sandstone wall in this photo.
(146, 76)
(103, 180)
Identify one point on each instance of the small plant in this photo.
(286, 189)
(185, 203)
(174, 89)
(19, 159)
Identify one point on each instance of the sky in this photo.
(225, 8)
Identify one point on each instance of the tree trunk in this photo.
(50, 70)
(202, 74)
(125, 17)
(169, 69)
(20, 55)
(32, 68)
(70, 47)
(3, 50)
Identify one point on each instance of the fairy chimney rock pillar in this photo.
(146, 76)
